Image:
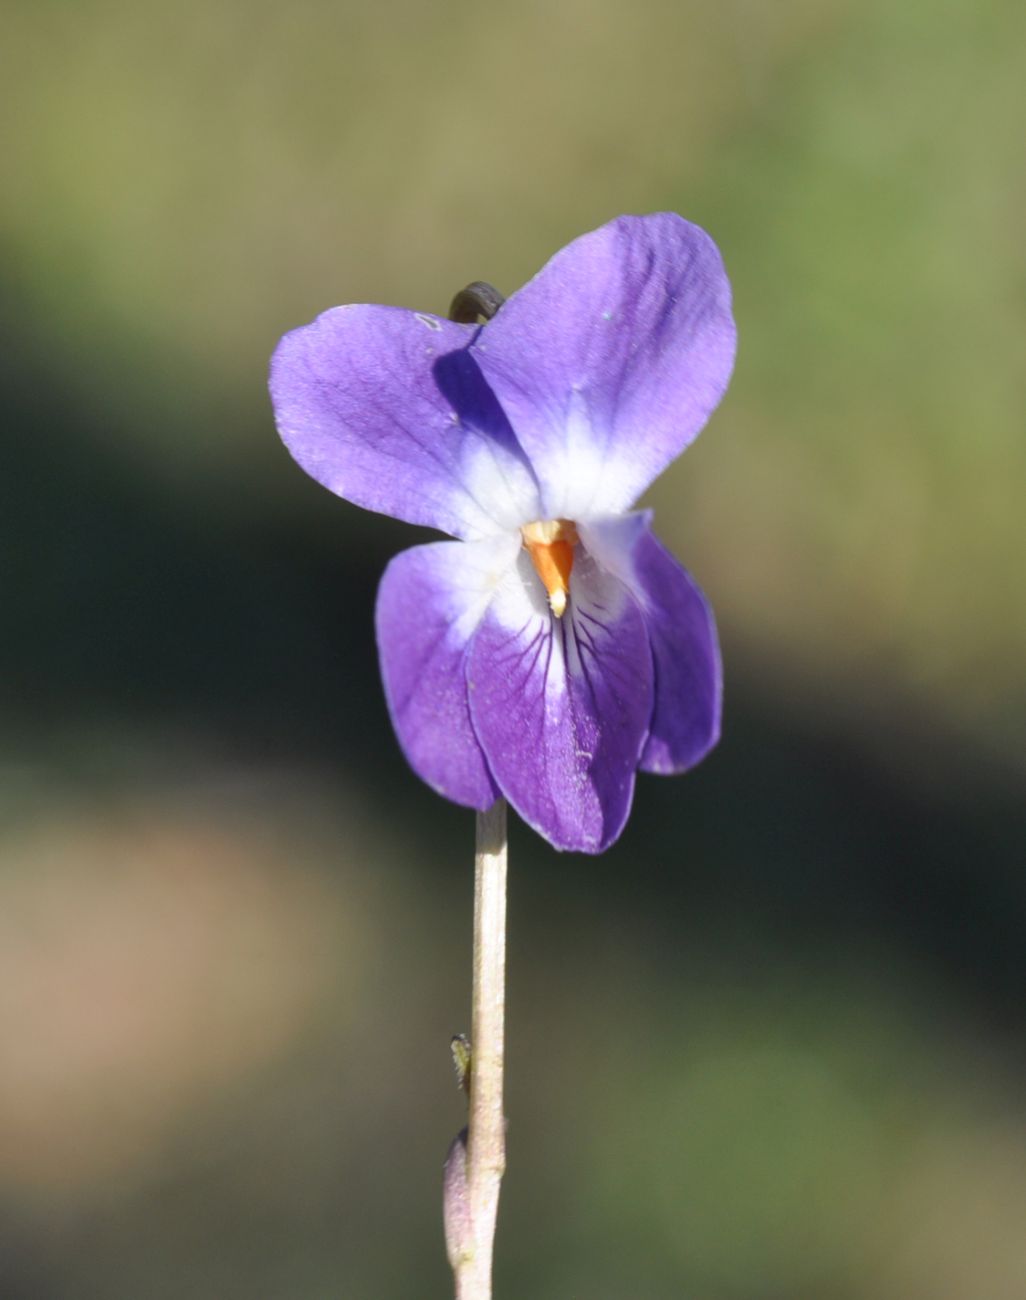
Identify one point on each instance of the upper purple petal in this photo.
(430, 602)
(387, 408)
(610, 360)
(562, 706)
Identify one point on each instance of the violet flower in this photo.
(556, 647)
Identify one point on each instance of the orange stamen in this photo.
(550, 544)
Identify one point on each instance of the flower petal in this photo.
(561, 706)
(610, 360)
(388, 409)
(430, 601)
(686, 652)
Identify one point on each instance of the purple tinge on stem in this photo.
(459, 1227)
(556, 647)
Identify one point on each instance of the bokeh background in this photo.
(772, 1044)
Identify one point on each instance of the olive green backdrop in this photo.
(771, 1046)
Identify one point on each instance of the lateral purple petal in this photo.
(610, 360)
(430, 602)
(386, 408)
(561, 706)
(686, 652)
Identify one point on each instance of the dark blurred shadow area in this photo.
(771, 1044)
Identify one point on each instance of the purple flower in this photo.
(556, 647)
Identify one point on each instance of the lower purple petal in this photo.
(686, 653)
(430, 603)
(562, 706)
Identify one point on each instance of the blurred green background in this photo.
(771, 1045)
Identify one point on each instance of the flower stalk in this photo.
(553, 648)
(472, 1201)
